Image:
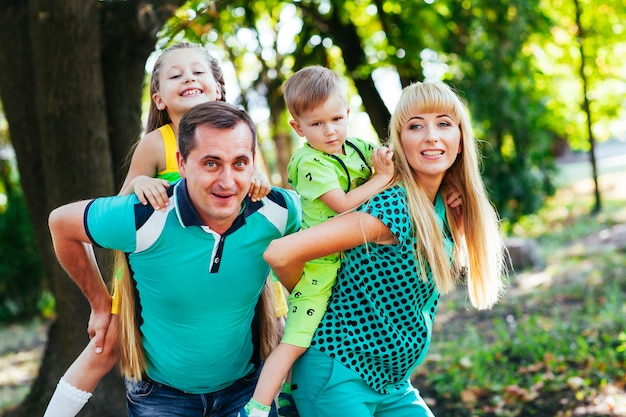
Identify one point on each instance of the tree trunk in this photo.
(597, 207)
(129, 34)
(72, 98)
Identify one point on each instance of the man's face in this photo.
(219, 172)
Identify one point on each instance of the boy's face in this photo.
(325, 127)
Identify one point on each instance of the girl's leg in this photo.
(286, 404)
(319, 391)
(80, 379)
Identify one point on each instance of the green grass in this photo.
(556, 342)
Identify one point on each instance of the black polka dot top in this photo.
(380, 315)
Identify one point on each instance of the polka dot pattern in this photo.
(380, 315)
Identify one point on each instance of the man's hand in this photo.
(98, 328)
(75, 253)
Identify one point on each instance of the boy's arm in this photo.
(287, 255)
(75, 254)
(340, 201)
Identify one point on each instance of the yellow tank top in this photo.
(170, 172)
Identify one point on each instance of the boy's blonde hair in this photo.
(481, 248)
(310, 87)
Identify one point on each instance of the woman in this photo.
(401, 250)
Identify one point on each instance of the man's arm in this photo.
(75, 254)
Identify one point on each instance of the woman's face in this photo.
(431, 143)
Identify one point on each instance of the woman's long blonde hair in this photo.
(481, 249)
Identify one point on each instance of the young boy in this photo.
(332, 174)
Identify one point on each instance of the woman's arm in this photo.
(287, 255)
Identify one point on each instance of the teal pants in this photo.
(324, 387)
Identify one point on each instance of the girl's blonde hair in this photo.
(158, 118)
(132, 361)
(481, 249)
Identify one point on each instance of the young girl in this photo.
(401, 249)
(184, 75)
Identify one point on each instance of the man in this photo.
(197, 268)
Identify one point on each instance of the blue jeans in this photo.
(148, 398)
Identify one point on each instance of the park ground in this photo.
(22, 344)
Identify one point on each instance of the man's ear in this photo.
(181, 164)
(296, 127)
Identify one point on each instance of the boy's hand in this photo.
(151, 190)
(259, 187)
(382, 160)
(455, 199)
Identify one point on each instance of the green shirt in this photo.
(313, 173)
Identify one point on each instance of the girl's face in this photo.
(184, 81)
(431, 143)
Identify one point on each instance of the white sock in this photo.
(66, 401)
(256, 409)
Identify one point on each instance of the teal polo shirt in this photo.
(197, 289)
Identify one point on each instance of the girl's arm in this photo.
(287, 255)
(148, 158)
